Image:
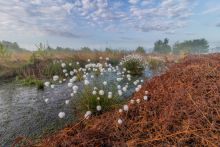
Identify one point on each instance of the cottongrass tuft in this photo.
(133, 63)
(61, 114)
(145, 98)
(101, 92)
(98, 108)
(120, 121)
(138, 101)
(67, 102)
(87, 114)
(125, 107)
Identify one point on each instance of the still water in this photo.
(23, 111)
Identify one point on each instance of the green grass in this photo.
(30, 81)
(88, 101)
(53, 68)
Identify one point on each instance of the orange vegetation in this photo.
(183, 110)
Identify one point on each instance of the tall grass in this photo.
(88, 101)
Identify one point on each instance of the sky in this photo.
(98, 24)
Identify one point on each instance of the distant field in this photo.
(16, 61)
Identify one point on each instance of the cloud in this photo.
(133, 1)
(212, 9)
(64, 18)
(37, 15)
(146, 2)
(218, 25)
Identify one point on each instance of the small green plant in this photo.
(79, 75)
(134, 64)
(30, 81)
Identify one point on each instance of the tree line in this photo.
(188, 46)
(160, 46)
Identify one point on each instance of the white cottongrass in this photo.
(120, 121)
(87, 114)
(139, 86)
(71, 73)
(52, 85)
(46, 100)
(125, 107)
(67, 102)
(105, 83)
(120, 110)
(137, 89)
(61, 114)
(120, 93)
(132, 101)
(86, 82)
(101, 92)
(55, 77)
(119, 79)
(63, 65)
(119, 86)
(98, 108)
(124, 89)
(47, 84)
(70, 84)
(94, 92)
(146, 92)
(109, 95)
(75, 88)
(145, 98)
(64, 70)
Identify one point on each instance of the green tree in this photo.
(140, 49)
(191, 46)
(3, 50)
(86, 49)
(162, 46)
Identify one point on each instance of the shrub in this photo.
(155, 64)
(133, 63)
(140, 50)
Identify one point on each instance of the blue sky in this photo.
(108, 23)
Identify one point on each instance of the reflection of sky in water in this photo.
(23, 111)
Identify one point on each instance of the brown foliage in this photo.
(183, 110)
